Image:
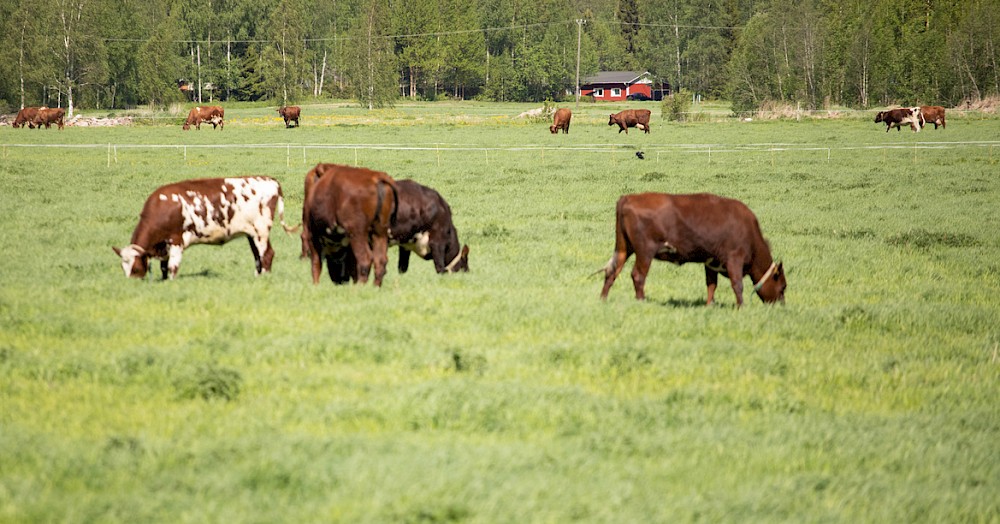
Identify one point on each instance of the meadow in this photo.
(510, 393)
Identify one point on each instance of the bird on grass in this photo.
(639, 155)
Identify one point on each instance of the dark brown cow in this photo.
(290, 113)
(561, 120)
(903, 115)
(197, 115)
(349, 210)
(933, 115)
(204, 211)
(424, 226)
(26, 116)
(47, 117)
(719, 232)
(631, 118)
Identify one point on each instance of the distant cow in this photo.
(719, 232)
(561, 120)
(26, 116)
(631, 118)
(204, 211)
(290, 114)
(424, 226)
(903, 115)
(933, 115)
(47, 117)
(348, 210)
(212, 114)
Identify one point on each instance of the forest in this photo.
(119, 54)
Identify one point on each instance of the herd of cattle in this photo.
(351, 215)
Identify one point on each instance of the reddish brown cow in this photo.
(719, 232)
(290, 113)
(934, 115)
(205, 211)
(561, 120)
(349, 207)
(26, 116)
(903, 115)
(631, 118)
(48, 117)
(197, 115)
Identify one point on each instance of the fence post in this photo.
(109, 154)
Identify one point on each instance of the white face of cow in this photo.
(133, 262)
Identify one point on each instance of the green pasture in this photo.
(511, 393)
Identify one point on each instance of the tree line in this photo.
(859, 53)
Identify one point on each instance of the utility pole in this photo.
(579, 32)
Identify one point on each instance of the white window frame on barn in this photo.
(598, 93)
(616, 91)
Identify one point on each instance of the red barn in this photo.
(616, 86)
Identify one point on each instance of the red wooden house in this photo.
(613, 86)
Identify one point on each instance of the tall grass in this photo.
(510, 393)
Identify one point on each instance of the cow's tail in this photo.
(620, 253)
(281, 215)
(380, 187)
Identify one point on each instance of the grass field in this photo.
(511, 393)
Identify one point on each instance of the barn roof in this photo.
(615, 77)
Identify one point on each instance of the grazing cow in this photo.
(903, 115)
(205, 211)
(197, 115)
(561, 120)
(631, 118)
(48, 117)
(424, 226)
(719, 232)
(290, 113)
(26, 116)
(933, 115)
(346, 216)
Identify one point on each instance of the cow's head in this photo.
(281, 111)
(771, 287)
(135, 260)
(186, 126)
(880, 116)
(553, 129)
(612, 121)
(460, 262)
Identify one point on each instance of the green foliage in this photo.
(677, 106)
(510, 393)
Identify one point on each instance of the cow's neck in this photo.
(762, 262)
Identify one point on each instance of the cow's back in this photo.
(696, 226)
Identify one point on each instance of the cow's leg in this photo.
(317, 261)
(711, 281)
(380, 253)
(647, 129)
(735, 269)
(639, 272)
(163, 268)
(362, 257)
(256, 255)
(612, 270)
(174, 260)
(404, 259)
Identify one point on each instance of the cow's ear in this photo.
(780, 271)
(465, 251)
(116, 250)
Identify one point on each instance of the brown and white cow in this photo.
(348, 210)
(719, 232)
(631, 118)
(26, 116)
(902, 115)
(933, 115)
(47, 117)
(213, 114)
(561, 120)
(290, 114)
(204, 211)
(424, 227)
